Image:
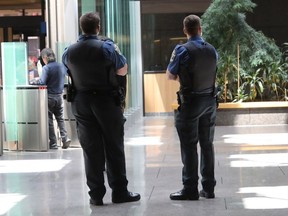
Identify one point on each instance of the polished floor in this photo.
(251, 173)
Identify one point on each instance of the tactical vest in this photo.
(88, 67)
(198, 76)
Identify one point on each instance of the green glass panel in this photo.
(88, 6)
(14, 73)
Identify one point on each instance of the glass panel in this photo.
(135, 65)
(159, 39)
(14, 72)
(33, 55)
(60, 47)
(87, 6)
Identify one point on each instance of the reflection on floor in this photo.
(251, 172)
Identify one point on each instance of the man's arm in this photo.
(112, 53)
(42, 79)
(174, 64)
(122, 71)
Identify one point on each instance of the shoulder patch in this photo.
(117, 49)
(173, 55)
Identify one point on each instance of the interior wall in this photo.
(270, 17)
(174, 6)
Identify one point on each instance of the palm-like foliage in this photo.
(275, 78)
(241, 95)
(227, 76)
(254, 84)
(225, 27)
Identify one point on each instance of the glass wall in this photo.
(161, 32)
(120, 21)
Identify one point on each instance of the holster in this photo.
(216, 94)
(70, 94)
(119, 96)
(71, 91)
(181, 98)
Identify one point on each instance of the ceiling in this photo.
(19, 4)
(148, 6)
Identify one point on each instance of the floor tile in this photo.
(251, 167)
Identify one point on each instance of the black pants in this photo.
(101, 134)
(195, 121)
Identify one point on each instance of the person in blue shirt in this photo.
(193, 64)
(53, 75)
(94, 65)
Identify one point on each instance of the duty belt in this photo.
(188, 96)
(96, 92)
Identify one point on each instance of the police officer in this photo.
(193, 64)
(96, 107)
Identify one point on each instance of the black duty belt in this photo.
(198, 94)
(95, 92)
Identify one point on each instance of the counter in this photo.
(25, 118)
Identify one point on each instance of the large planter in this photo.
(252, 113)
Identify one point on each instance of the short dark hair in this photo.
(49, 54)
(89, 22)
(192, 23)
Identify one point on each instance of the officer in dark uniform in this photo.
(193, 64)
(94, 65)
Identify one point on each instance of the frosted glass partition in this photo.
(14, 72)
(135, 94)
(14, 63)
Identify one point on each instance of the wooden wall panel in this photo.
(1, 35)
(159, 93)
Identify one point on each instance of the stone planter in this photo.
(252, 113)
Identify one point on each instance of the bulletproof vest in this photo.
(198, 76)
(88, 67)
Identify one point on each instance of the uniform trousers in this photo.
(195, 121)
(100, 132)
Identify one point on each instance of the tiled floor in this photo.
(251, 172)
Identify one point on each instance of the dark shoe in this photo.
(207, 195)
(125, 197)
(96, 202)
(66, 144)
(53, 146)
(184, 195)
